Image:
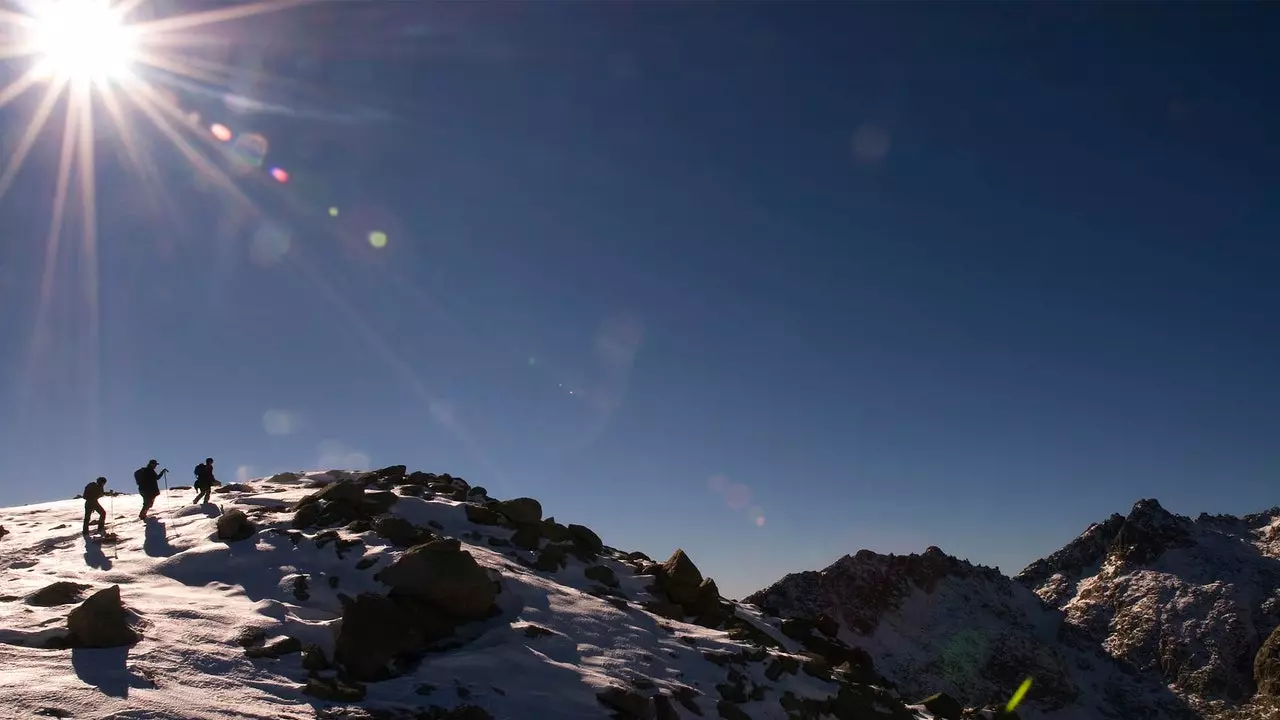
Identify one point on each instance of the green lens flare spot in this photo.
(1018, 695)
(378, 239)
(333, 212)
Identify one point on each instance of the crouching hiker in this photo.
(92, 493)
(204, 481)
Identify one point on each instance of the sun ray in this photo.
(29, 136)
(89, 242)
(157, 28)
(16, 88)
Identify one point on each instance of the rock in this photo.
(585, 539)
(284, 645)
(827, 625)
(1266, 666)
(535, 631)
(100, 622)
(59, 593)
(551, 558)
(527, 537)
(477, 492)
(943, 706)
(665, 609)
(631, 705)
(376, 503)
(306, 516)
(334, 690)
(366, 562)
(233, 487)
(344, 492)
(687, 697)
(481, 515)
(683, 579)
(499, 542)
(445, 576)
(417, 477)
(412, 490)
(555, 532)
(663, 709)
(399, 531)
(521, 511)
(729, 711)
(359, 526)
(707, 601)
(3, 532)
(601, 574)
(377, 630)
(251, 636)
(392, 473)
(234, 525)
(313, 658)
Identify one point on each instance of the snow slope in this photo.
(558, 644)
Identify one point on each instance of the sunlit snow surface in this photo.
(196, 594)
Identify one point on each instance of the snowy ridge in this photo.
(1190, 601)
(934, 623)
(388, 595)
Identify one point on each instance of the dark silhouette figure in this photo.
(92, 493)
(204, 481)
(148, 485)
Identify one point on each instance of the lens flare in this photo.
(82, 41)
(378, 239)
(221, 132)
(280, 175)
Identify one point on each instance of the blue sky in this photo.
(771, 282)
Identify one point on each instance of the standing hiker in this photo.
(92, 492)
(204, 480)
(148, 485)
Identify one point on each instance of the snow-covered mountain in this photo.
(1148, 614)
(931, 621)
(392, 595)
(1191, 601)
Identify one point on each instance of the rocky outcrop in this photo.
(1266, 666)
(101, 622)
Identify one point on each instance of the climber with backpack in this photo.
(204, 480)
(92, 493)
(148, 485)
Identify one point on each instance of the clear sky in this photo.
(773, 282)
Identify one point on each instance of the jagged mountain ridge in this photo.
(933, 621)
(1191, 601)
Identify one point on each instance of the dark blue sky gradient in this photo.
(906, 274)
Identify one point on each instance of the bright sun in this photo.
(82, 41)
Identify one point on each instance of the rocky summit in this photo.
(395, 594)
(1149, 615)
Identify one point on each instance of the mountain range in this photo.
(396, 594)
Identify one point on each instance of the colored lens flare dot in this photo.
(333, 212)
(378, 239)
(280, 175)
(221, 132)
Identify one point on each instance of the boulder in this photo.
(59, 593)
(345, 492)
(827, 625)
(664, 709)
(399, 531)
(445, 576)
(707, 600)
(233, 487)
(551, 558)
(601, 574)
(585, 539)
(683, 580)
(377, 630)
(3, 532)
(481, 515)
(334, 690)
(554, 531)
(521, 511)
(391, 473)
(417, 477)
(376, 503)
(729, 711)
(527, 537)
(234, 526)
(629, 705)
(477, 492)
(306, 516)
(100, 622)
(943, 706)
